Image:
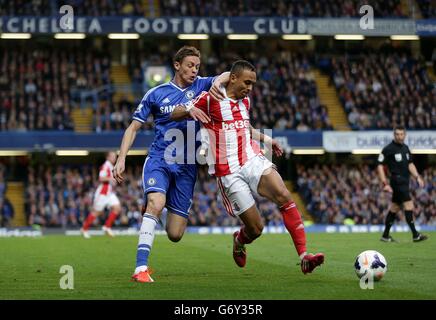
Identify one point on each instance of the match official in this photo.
(396, 156)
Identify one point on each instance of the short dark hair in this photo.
(399, 127)
(184, 52)
(240, 65)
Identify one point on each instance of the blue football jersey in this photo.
(160, 101)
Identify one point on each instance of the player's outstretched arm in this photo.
(270, 142)
(126, 143)
(181, 112)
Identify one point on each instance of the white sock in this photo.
(146, 237)
(140, 269)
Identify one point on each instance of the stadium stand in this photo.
(6, 208)
(337, 192)
(428, 8)
(379, 89)
(62, 196)
(40, 88)
(285, 96)
(289, 8)
(82, 7)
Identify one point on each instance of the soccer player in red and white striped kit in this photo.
(239, 165)
(104, 197)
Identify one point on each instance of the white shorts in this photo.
(237, 188)
(102, 201)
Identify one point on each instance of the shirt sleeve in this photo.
(202, 102)
(143, 110)
(206, 82)
(409, 156)
(104, 172)
(382, 157)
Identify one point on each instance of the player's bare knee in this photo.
(395, 208)
(409, 207)
(174, 236)
(154, 207)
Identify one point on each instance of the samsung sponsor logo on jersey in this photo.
(167, 109)
(238, 124)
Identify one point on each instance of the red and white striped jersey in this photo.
(228, 134)
(105, 188)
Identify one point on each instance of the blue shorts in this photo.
(176, 181)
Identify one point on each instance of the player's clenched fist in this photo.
(118, 170)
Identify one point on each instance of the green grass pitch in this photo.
(202, 267)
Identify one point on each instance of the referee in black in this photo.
(396, 156)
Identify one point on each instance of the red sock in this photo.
(243, 238)
(294, 225)
(89, 220)
(110, 220)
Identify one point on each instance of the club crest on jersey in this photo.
(398, 157)
(236, 206)
(190, 94)
(151, 181)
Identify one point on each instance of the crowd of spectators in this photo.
(337, 192)
(61, 196)
(81, 7)
(114, 115)
(6, 207)
(283, 8)
(207, 8)
(40, 87)
(26, 7)
(379, 89)
(284, 97)
(428, 8)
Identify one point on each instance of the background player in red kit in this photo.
(104, 197)
(240, 167)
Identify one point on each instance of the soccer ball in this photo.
(372, 263)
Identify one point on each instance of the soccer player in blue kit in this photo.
(168, 180)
